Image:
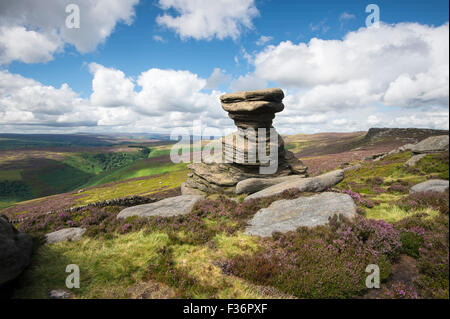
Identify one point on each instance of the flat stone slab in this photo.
(310, 184)
(173, 206)
(72, 234)
(436, 185)
(252, 185)
(287, 215)
(432, 144)
(273, 94)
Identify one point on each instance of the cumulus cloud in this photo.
(32, 31)
(158, 100)
(217, 78)
(110, 87)
(201, 19)
(403, 65)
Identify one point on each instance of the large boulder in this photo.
(435, 185)
(15, 251)
(65, 234)
(431, 145)
(287, 215)
(173, 206)
(252, 185)
(311, 184)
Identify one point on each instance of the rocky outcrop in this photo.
(287, 215)
(435, 185)
(241, 157)
(15, 251)
(65, 234)
(172, 206)
(311, 184)
(431, 145)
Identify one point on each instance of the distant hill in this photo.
(382, 139)
(410, 135)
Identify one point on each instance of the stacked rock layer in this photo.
(243, 151)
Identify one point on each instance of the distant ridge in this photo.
(411, 135)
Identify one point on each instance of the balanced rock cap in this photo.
(273, 95)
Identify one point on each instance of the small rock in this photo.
(173, 206)
(436, 185)
(72, 234)
(287, 215)
(59, 294)
(431, 145)
(310, 184)
(414, 160)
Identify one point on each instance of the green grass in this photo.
(107, 267)
(138, 169)
(134, 187)
(392, 213)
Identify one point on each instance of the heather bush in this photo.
(433, 253)
(411, 243)
(422, 200)
(399, 290)
(374, 236)
(398, 188)
(322, 262)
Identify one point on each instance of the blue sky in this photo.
(135, 41)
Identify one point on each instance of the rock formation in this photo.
(242, 154)
(15, 251)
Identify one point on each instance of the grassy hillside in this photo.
(28, 174)
(206, 255)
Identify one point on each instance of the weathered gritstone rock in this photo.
(436, 185)
(414, 160)
(432, 145)
(311, 184)
(253, 185)
(253, 113)
(65, 234)
(173, 206)
(287, 215)
(15, 251)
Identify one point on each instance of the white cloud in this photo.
(159, 38)
(217, 78)
(16, 43)
(204, 19)
(403, 65)
(32, 31)
(263, 40)
(248, 82)
(110, 87)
